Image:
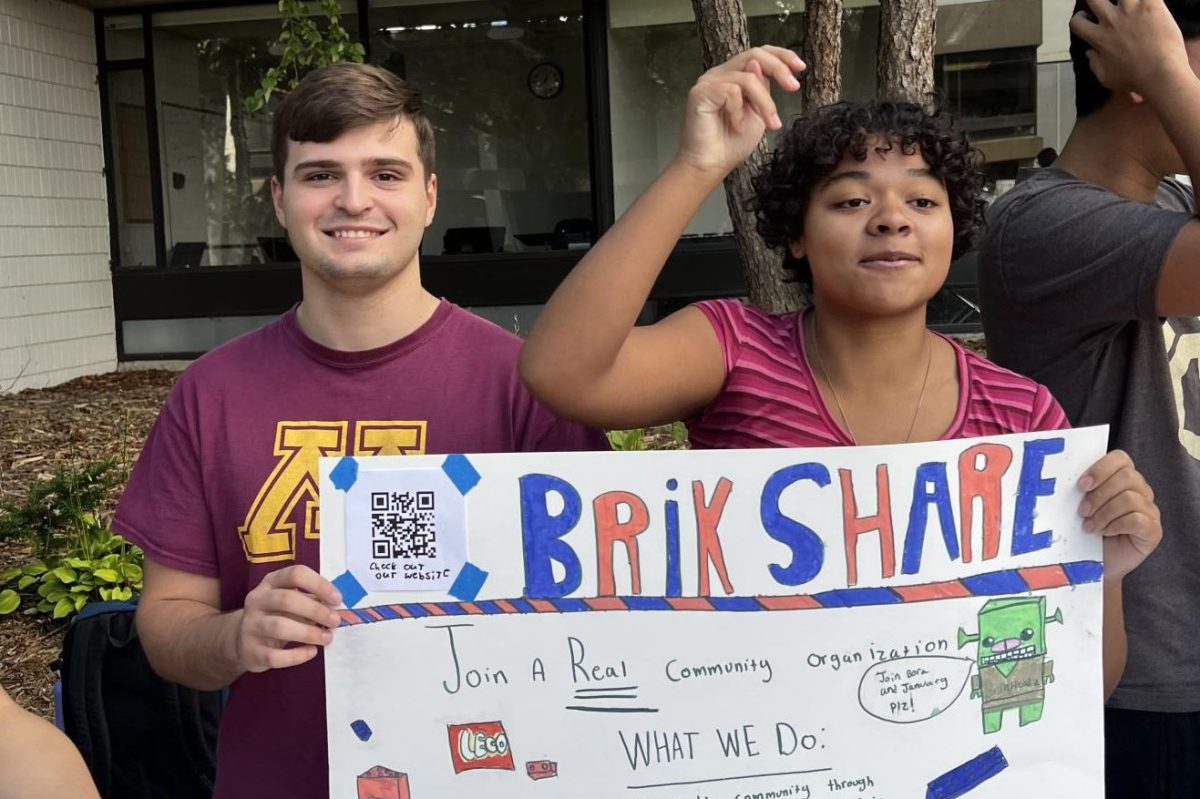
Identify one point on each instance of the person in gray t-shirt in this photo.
(1090, 281)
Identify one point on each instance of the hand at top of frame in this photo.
(1136, 45)
(730, 108)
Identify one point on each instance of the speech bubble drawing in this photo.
(912, 689)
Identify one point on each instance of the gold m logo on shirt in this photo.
(269, 532)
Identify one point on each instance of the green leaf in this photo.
(57, 595)
(132, 573)
(80, 601)
(77, 563)
(63, 608)
(122, 593)
(10, 574)
(106, 593)
(81, 589)
(35, 568)
(66, 574)
(44, 606)
(107, 575)
(9, 601)
(25, 582)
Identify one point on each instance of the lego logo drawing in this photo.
(480, 745)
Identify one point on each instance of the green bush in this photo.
(98, 565)
(53, 507)
(77, 558)
(672, 436)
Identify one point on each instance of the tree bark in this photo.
(906, 40)
(822, 52)
(723, 33)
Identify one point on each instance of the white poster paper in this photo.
(857, 623)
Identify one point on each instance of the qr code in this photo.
(403, 525)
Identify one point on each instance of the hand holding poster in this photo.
(906, 621)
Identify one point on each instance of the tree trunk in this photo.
(822, 81)
(723, 33)
(906, 40)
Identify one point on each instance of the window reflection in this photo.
(653, 58)
(505, 89)
(130, 147)
(216, 157)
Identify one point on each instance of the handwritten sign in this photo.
(908, 621)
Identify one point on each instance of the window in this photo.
(130, 144)
(654, 57)
(216, 157)
(505, 90)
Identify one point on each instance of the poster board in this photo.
(858, 623)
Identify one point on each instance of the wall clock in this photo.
(545, 80)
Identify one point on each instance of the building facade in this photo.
(138, 219)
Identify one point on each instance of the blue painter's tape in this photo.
(856, 597)
(386, 612)
(351, 590)
(468, 582)
(737, 603)
(960, 780)
(361, 729)
(570, 605)
(1084, 571)
(452, 608)
(490, 608)
(646, 603)
(363, 616)
(344, 474)
(996, 583)
(461, 472)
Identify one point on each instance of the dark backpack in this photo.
(141, 736)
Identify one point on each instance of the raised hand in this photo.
(1119, 505)
(285, 618)
(730, 108)
(1136, 44)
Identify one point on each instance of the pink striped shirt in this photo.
(770, 398)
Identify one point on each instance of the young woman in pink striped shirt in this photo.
(869, 202)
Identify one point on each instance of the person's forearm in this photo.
(190, 643)
(1176, 101)
(580, 332)
(1115, 646)
(36, 760)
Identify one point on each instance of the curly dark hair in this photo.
(816, 143)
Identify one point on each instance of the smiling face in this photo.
(355, 208)
(878, 234)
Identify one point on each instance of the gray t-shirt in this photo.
(1067, 276)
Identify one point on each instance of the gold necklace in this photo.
(845, 419)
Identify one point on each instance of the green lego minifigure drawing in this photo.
(1012, 670)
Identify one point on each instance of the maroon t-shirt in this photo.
(226, 485)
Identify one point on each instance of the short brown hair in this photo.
(333, 99)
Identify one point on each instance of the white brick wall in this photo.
(56, 307)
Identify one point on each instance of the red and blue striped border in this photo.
(998, 583)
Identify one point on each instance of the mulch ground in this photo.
(84, 421)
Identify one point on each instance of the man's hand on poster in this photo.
(285, 619)
(730, 108)
(1119, 504)
(1136, 45)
